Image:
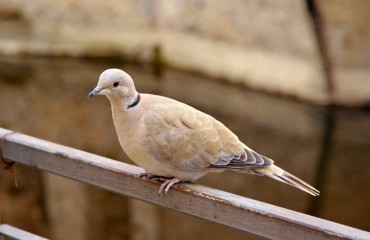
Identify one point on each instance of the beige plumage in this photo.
(175, 142)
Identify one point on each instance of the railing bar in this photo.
(16, 233)
(245, 214)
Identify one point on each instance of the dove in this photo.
(175, 142)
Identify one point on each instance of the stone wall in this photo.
(273, 46)
(346, 33)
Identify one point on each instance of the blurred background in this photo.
(290, 78)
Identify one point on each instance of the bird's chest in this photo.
(131, 136)
(129, 132)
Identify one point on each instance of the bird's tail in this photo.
(281, 175)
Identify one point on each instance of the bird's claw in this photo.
(167, 182)
(150, 176)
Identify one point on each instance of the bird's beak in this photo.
(94, 92)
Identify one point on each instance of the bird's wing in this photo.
(192, 140)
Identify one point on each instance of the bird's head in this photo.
(115, 84)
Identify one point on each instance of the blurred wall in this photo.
(313, 50)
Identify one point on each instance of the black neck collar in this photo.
(135, 102)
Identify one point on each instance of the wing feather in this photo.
(191, 140)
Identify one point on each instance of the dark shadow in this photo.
(329, 119)
(15, 73)
(158, 63)
(318, 25)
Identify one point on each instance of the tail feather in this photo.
(279, 174)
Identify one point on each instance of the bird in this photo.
(174, 142)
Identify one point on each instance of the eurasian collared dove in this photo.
(175, 142)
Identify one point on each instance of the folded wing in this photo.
(192, 140)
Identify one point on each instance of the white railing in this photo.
(11, 232)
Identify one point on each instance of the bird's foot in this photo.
(167, 184)
(150, 176)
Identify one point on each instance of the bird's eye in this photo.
(115, 84)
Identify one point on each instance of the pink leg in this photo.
(166, 185)
(167, 182)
